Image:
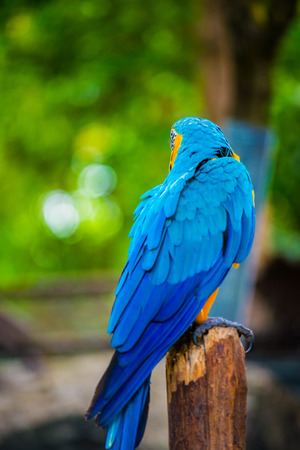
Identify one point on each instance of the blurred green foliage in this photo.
(89, 90)
(85, 86)
(285, 118)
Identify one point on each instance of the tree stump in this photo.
(207, 392)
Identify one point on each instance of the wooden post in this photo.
(207, 392)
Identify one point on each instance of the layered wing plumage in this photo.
(187, 234)
(183, 229)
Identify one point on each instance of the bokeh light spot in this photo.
(97, 180)
(60, 213)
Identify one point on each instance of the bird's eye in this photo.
(172, 138)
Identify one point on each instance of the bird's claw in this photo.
(220, 322)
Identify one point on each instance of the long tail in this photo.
(126, 429)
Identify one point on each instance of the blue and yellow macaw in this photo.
(188, 233)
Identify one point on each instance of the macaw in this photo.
(188, 233)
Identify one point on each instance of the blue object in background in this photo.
(253, 145)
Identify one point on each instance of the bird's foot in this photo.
(220, 322)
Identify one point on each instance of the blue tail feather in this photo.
(127, 428)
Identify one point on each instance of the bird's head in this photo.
(194, 140)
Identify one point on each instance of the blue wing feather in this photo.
(124, 296)
(161, 268)
(248, 235)
(171, 203)
(122, 279)
(155, 232)
(175, 232)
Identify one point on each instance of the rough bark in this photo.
(207, 392)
